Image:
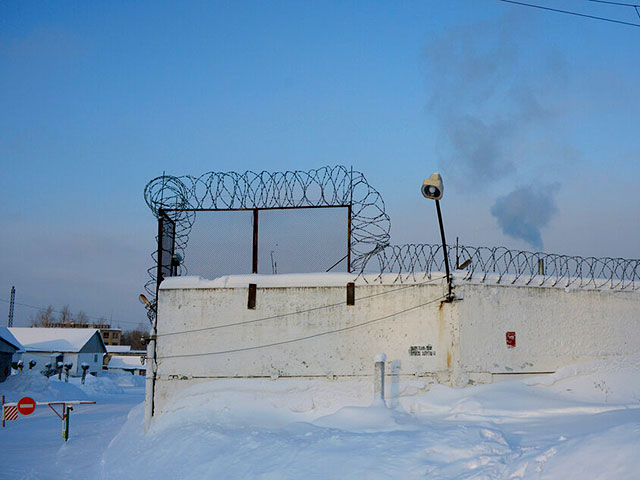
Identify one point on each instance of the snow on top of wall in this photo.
(126, 361)
(53, 339)
(293, 280)
(289, 280)
(118, 348)
(8, 337)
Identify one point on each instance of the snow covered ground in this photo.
(581, 423)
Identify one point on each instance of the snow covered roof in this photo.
(118, 348)
(127, 362)
(8, 337)
(54, 339)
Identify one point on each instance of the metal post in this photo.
(64, 423)
(150, 380)
(349, 239)
(66, 413)
(444, 249)
(11, 303)
(254, 268)
(160, 236)
(349, 213)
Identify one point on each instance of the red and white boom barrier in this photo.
(27, 405)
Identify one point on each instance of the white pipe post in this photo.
(378, 378)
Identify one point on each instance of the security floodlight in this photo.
(145, 301)
(432, 187)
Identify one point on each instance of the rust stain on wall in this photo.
(442, 333)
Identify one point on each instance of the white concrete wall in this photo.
(346, 353)
(40, 357)
(93, 359)
(95, 367)
(553, 327)
(455, 343)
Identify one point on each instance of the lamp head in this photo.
(432, 187)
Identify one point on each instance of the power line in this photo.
(619, 4)
(615, 3)
(43, 309)
(297, 312)
(300, 339)
(571, 13)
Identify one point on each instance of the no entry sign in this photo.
(26, 405)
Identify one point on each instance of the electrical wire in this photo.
(308, 337)
(571, 13)
(620, 4)
(298, 312)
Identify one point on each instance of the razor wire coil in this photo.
(501, 265)
(337, 186)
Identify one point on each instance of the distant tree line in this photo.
(49, 318)
(134, 337)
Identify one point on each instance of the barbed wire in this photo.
(322, 187)
(506, 266)
(181, 197)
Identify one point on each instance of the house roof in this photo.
(126, 362)
(8, 337)
(54, 339)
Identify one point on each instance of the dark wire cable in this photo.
(571, 13)
(620, 4)
(299, 339)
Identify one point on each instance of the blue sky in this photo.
(506, 102)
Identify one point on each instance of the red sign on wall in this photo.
(511, 339)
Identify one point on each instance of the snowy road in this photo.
(581, 423)
(32, 447)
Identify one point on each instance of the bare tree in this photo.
(65, 315)
(43, 318)
(81, 318)
(134, 337)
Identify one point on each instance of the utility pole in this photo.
(11, 303)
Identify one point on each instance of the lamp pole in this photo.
(433, 189)
(444, 251)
